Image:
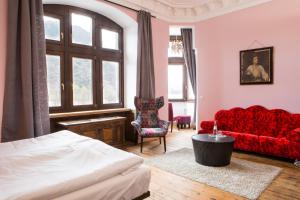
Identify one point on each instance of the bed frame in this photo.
(143, 196)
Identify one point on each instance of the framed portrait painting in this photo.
(256, 66)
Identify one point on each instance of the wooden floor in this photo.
(167, 186)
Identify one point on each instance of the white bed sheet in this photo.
(122, 187)
(51, 166)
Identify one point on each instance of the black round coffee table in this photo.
(212, 151)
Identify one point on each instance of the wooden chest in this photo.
(110, 130)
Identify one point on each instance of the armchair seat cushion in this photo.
(153, 132)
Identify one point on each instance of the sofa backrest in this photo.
(235, 119)
(258, 120)
(265, 121)
(285, 122)
(295, 121)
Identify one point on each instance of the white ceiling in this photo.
(188, 10)
(184, 4)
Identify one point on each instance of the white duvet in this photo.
(50, 166)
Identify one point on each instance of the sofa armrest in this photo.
(201, 131)
(163, 124)
(294, 135)
(207, 125)
(137, 125)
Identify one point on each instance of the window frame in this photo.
(86, 13)
(180, 61)
(119, 39)
(121, 82)
(62, 74)
(61, 27)
(66, 49)
(70, 73)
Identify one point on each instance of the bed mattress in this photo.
(124, 186)
(60, 164)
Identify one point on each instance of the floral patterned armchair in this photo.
(147, 123)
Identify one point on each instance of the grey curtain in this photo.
(145, 64)
(190, 61)
(25, 109)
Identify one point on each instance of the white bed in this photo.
(64, 165)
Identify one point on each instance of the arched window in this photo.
(84, 60)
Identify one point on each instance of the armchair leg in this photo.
(159, 140)
(141, 144)
(165, 143)
(171, 126)
(136, 137)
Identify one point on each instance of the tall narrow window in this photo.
(179, 85)
(82, 81)
(53, 80)
(175, 82)
(52, 28)
(82, 27)
(110, 76)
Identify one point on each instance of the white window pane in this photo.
(175, 82)
(82, 81)
(82, 27)
(190, 89)
(174, 52)
(53, 80)
(110, 77)
(52, 28)
(110, 39)
(174, 30)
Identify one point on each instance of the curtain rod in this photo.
(124, 6)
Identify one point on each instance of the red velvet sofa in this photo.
(273, 132)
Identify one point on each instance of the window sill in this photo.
(181, 100)
(86, 113)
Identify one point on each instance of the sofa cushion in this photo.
(295, 121)
(274, 146)
(207, 126)
(294, 150)
(264, 121)
(244, 141)
(243, 120)
(225, 120)
(294, 135)
(284, 122)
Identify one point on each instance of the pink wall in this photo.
(219, 41)
(3, 24)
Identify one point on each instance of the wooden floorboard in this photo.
(168, 186)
